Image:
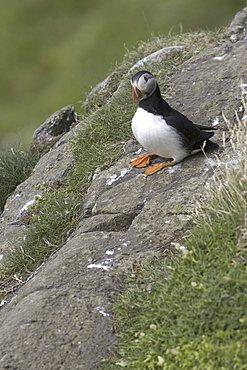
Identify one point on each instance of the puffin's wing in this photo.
(192, 132)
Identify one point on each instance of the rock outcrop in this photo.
(53, 129)
(61, 318)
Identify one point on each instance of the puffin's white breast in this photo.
(156, 136)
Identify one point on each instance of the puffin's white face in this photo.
(143, 85)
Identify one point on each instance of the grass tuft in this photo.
(195, 316)
(15, 167)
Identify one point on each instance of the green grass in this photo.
(15, 166)
(195, 316)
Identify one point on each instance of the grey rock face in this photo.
(61, 318)
(52, 129)
(100, 93)
(158, 56)
(238, 27)
(58, 123)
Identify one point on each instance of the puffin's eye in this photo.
(145, 78)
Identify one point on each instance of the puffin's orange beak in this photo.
(137, 94)
(134, 95)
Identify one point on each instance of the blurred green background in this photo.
(53, 52)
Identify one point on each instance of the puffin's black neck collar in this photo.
(155, 103)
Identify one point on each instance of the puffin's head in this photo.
(143, 85)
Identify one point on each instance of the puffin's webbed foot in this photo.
(142, 161)
(157, 167)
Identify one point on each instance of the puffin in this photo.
(162, 130)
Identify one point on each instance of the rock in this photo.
(52, 130)
(101, 93)
(61, 318)
(158, 56)
(65, 312)
(238, 27)
(214, 91)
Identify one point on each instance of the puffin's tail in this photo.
(205, 144)
(210, 145)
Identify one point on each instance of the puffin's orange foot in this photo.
(142, 161)
(157, 167)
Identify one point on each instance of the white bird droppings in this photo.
(219, 58)
(114, 177)
(101, 310)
